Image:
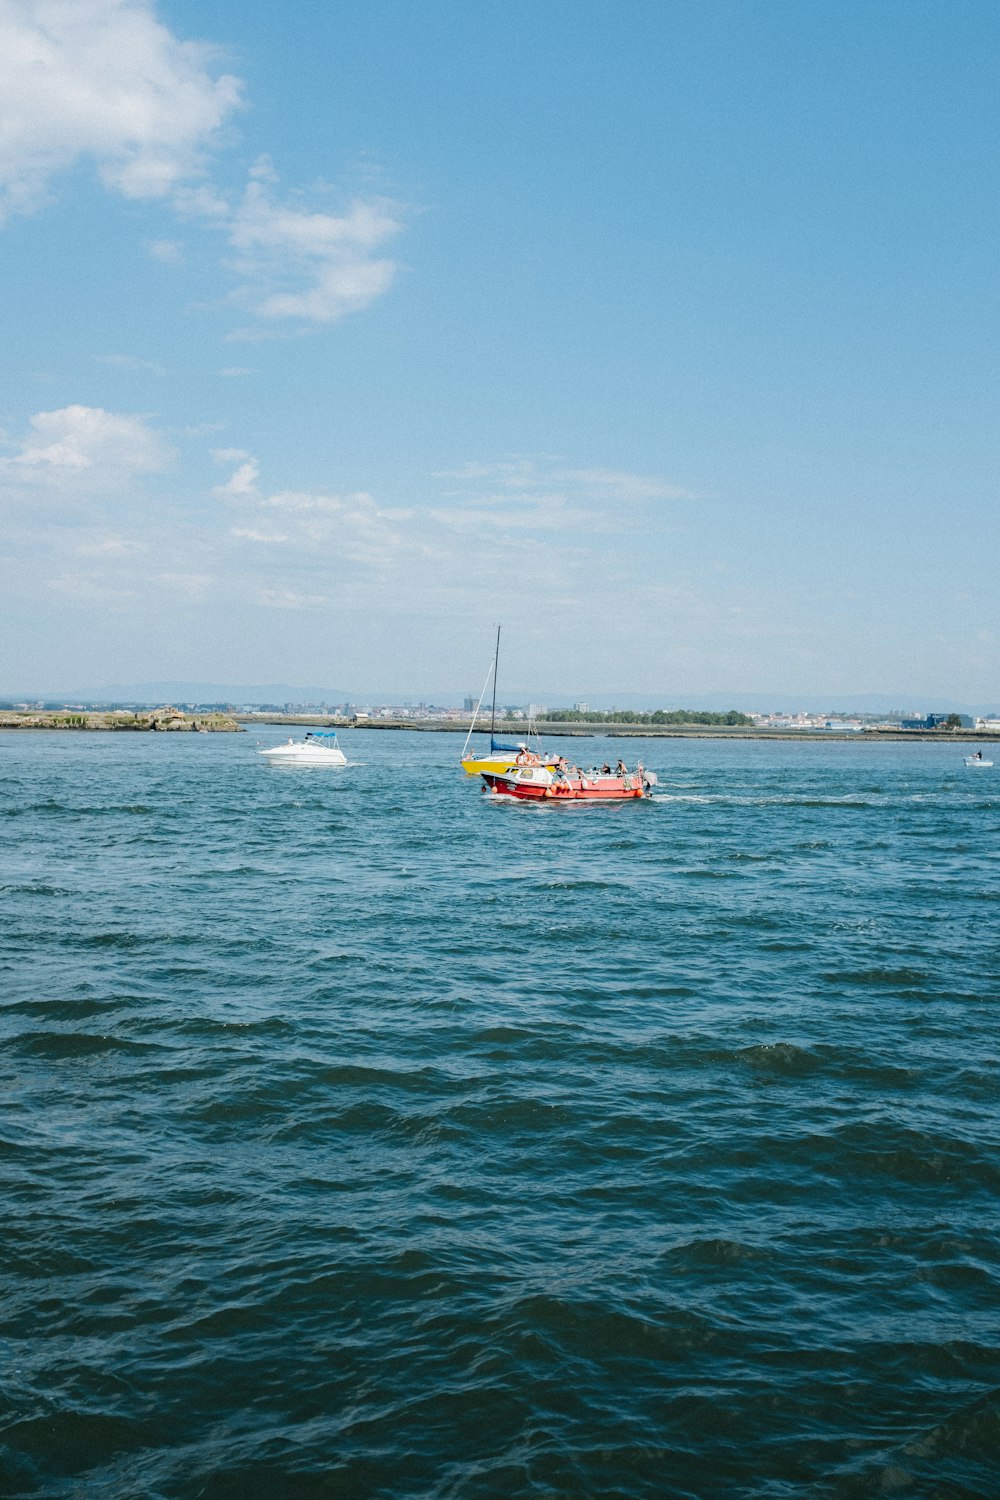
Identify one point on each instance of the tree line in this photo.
(659, 716)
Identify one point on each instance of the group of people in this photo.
(562, 768)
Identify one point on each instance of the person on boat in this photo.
(605, 769)
(621, 769)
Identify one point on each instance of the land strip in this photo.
(542, 730)
(173, 720)
(117, 720)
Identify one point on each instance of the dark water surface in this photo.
(362, 1138)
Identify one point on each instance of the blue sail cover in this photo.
(499, 745)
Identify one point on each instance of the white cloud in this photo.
(103, 80)
(248, 534)
(608, 483)
(111, 546)
(531, 540)
(601, 485)
(350, 529)
(170, 252)
(331, 504)
(242, 485)
(130, 362)
(307, 265)
(546, 495)
(487, 527)
(289, 599)
(91, 588)
(86, 448)
(203, 429)
(202, 201)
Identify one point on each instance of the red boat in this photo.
(563, 783)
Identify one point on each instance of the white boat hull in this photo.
(301, 753)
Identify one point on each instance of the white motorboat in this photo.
(977, 760)
(319, 748)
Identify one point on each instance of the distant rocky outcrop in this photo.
(167, 719)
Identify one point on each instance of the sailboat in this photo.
(501, 755)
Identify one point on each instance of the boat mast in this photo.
(491, 673)
(493, 715)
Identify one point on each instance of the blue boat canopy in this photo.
(321, 734)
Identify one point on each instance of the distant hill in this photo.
(204, 692)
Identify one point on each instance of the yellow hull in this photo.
(474, 765)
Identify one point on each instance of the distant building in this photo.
(582, 708)
(935, 721)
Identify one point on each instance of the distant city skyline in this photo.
(663, 334)
(286, 693)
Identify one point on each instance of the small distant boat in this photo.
(562, 783)
(319, 748)
(977, 760)
(501, 755)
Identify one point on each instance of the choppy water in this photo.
(362, 1138)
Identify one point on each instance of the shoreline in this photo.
(156, 720)
(544, 730)
(173, 721)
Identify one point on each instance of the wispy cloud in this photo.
(106, 82)
(609, 484)
(265, 538)
(92, 588)
(301, 263)
(448, 554)
(111, 546)
(535, 538)
(289, 599)
(130, 362)
(547, 495)
(170, 252)
(229, 455)
(515, 475)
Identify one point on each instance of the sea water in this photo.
(363, 1136)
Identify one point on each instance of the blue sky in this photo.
(665, 333)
